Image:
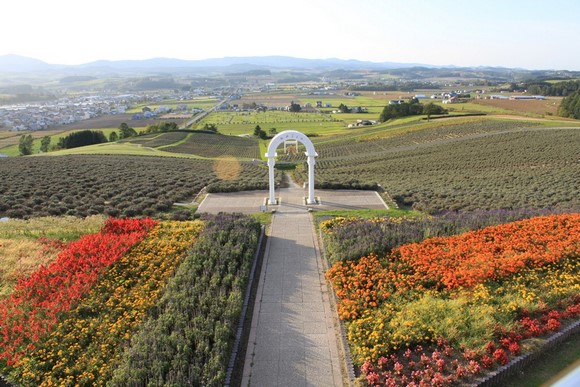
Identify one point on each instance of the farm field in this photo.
(212, 145)
(114, 185)
(518, 168)
(27, 244)
(452, 305)
(240, 123)
(103, 289)
(11, 148)
(200, 103)
(107, 124)
(446, 309)
(547, 107)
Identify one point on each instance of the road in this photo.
(201, 116)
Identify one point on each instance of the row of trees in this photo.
(26, 141)
(411, 108)
(261, 133)
(89, 137)
(82, 138)
(559, 89)
(570, 106)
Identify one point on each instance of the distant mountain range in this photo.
(20, 64)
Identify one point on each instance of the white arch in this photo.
(310, 153)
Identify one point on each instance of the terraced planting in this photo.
(82, 185)
(216, 145)
(390, 138)
(103, 312)
(516, 169)
(157, 139)
(444, 310)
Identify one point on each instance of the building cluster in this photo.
(46, 115)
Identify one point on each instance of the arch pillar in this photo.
(271, 155)
(311, 199)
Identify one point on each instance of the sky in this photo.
(530, 34)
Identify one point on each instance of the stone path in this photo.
(292, 339)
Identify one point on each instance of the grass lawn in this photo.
(12, 149)
(551, 366)
(393, 212)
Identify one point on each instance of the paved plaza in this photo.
(250, 202)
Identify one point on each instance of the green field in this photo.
(12, 149)
(495, 161)
(509, 168)
(201, 103)
(237, 123)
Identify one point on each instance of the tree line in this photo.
(558, 89)
(92, 137)
(570, 106)
(411, 108)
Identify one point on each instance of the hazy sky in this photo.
(532, 34)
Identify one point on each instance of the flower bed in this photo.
(87, 341)
(163, 307)
(33, 308)
(441, 310)
(200, 307)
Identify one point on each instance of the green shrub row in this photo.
(188, 339)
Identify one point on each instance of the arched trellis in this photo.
(310, 153)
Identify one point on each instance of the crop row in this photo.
(113, 185)
(442, 310)
(528, 169)
(200, 307)
(397, 138)
(217, 145)
(158, 139)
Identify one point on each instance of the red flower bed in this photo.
(33, 307)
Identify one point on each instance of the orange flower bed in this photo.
(443, 309)
(491, 253)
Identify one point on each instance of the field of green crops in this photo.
(483, 166)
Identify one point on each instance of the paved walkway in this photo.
(292, 339)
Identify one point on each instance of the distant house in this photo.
(524, 97)
(163, 109)
(360, 123)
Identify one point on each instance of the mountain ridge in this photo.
(17, 63)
